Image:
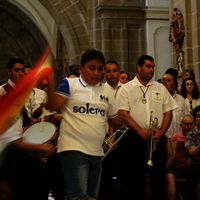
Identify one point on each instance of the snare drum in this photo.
(39, 133)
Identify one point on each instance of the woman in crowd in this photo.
(189, 90)
(124, 77)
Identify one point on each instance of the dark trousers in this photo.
(109, 179)
(193, 175)
(14, 172)
(28, 177)
(132, 156)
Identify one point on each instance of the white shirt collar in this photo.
(118, 85)
(137, 82)
(12, 84)
(86, 84)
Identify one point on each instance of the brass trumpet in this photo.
(152, 144)
(111, 142)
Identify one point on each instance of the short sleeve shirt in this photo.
(14, 132)
(34, 101)
(158, 100)
(83, 127)
(177, 114)
(179, 136)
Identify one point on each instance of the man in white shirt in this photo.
(109, 182)
(142, 101)
(169, 82)
(111, 74)
(14, 155)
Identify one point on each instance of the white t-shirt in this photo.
(177, 114)
(83, 127)
(158, 100)
(36, 98)
(115, 90)
(195, 102)
(14, 132)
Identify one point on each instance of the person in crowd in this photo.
(124, 77)
(189, 91)
(15, 161)
(35, 107)
(168, 81)
(146, 107)
(109, 182)
(178, 171)
(73, 74)
(188, 73)
(170, 184)
(27, 69)
(86, 105)
(192, 145)
(43, 84)
(174, 73)
(111, 75)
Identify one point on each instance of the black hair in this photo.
(28, 66)
(195, 110)
(174, 73)
(141, 59)
(112, 62)
(74, 73)
(191, 71)
(195, 93)
(13, 61)
(92, 54)
(124, 72)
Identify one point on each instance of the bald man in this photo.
(169, 82)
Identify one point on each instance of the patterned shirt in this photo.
(192, 139)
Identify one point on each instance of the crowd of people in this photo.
(86, 110)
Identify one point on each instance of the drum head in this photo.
(39, 132)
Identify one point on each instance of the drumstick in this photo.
(42, 117)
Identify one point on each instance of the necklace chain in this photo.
(144, 100)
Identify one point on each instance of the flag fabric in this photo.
(12, 103)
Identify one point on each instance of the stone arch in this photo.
(19, 37)
(71, 18)
(23, 34)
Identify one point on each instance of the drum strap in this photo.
(7, 87)
(26, 120)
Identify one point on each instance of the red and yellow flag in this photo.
(12, 103)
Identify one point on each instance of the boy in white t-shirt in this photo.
(86, 105)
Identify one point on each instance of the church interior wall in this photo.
(122, 29)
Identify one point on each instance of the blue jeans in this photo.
(82, 174)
